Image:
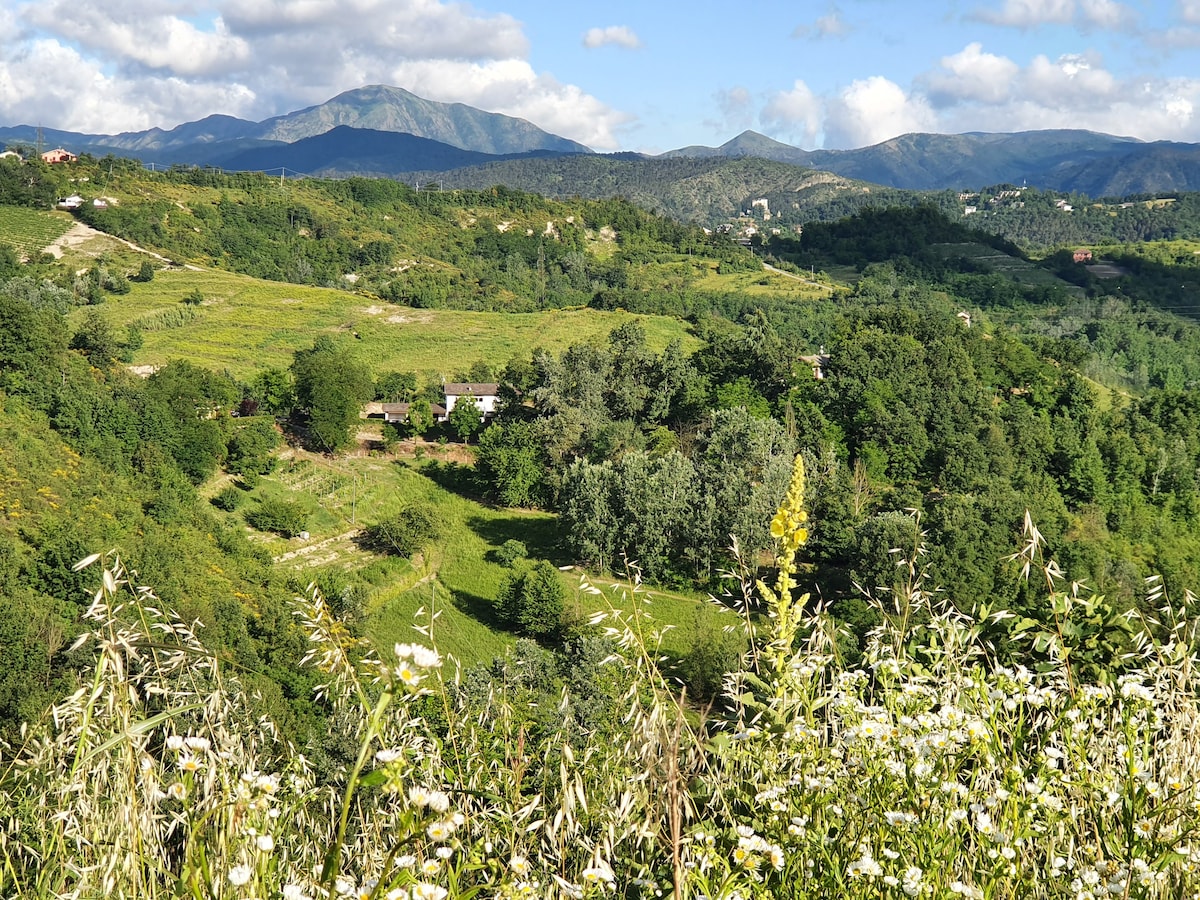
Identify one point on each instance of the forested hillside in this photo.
(882, 447)
(961, 385)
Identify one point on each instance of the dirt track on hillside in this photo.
(79, 234)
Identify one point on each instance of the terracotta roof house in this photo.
(1081, 256)
(58, 155)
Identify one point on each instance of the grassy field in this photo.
(764, 283)
(30, 231)
(458, 577)
(245, 324)
(1019, 270)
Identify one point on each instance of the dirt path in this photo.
(310, 549)
(79, 234)
(771, 268)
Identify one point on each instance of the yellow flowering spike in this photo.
(787, 527)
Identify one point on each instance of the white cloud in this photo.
(972, 75)
(1106, 14)
(1086, 14)
(872, 110)
(1029, 13)
(34, 91)
(978, 91)
(142, 63)
(795, 114)
(612, 36)
(151, 38)
(829, 25)
(1189, 11)
(736, 105)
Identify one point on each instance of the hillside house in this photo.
(58, 155)
(398, 412)
(72, 202)
(818, 362)
(486, 395)
(1082, 256)
(12, 154)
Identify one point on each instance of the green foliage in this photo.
(331, 386)
(286, 518)
(531, 602)
(145, 273)
(511, 552)
(420, 416)
(405, 533)
(250, 446)
(396, 387)
(511, 464)
(229, 498)
(193, 298)
(464, 419)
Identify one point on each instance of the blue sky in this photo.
(650, 75)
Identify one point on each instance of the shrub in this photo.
(283, 517)
(229, 498)
(929, 771)
(508, 553)
(531, 602)
(404, 533)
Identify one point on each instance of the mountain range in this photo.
(390, 132)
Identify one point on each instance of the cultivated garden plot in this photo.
(31, 231)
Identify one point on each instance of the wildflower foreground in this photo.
(931, 771)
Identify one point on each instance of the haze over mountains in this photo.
(390, 132)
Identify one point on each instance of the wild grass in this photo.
(245, 324)
(929, 771)
(764, 283)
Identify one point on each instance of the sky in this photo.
(649, 76)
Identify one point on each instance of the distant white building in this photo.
(485, 394)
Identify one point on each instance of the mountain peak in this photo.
(382, 107)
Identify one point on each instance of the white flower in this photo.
(201, 744)
(385, 756)
(408, 674)
(422, 890)
(519, 866)
(240, 875)
(294, 892)
(175, 742)
(600, 872)
(265, 843)
(177, 791)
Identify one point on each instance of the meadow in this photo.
(245, 324)
(458, 575)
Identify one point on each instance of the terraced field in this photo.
(30, 231)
